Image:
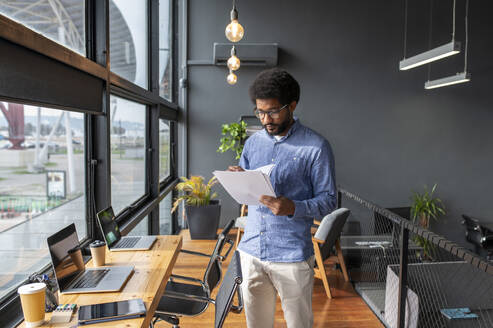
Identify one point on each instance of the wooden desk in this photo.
(152, 270)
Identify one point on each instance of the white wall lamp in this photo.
(431, 55)
(459, 77)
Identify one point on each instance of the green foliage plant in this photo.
(424, 208)
(195, 191)
(233, 134)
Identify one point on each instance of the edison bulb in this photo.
(233, 63)
(234, 31)
(232, 78)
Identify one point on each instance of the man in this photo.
(276, 248)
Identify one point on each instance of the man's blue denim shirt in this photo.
(303, 172)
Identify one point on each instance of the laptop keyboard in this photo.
(128, 242)
(91, 278)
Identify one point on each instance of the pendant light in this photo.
(461, 77)
(234, 31)
(431, 55)
(233, 61)
(231, 78)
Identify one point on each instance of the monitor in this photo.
(111, 233)
(60, 244)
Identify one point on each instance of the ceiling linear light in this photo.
(429, 56)
(446, 50)
(449, 80)
(459, 77)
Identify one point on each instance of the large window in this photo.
(127, 136)
(129, 40)
(165, 217)
(141, 229)
(165, 54)
(41, 185)
(164, 149)
(61, 20)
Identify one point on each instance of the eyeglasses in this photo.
(272, 113)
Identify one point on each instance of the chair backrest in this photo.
(474, 232)
(213, 272)
(330, 229)
(230, 286)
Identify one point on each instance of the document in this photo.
(248, 186)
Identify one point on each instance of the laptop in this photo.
(114, 239)
(74, 279)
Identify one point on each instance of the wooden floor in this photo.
(346, 309)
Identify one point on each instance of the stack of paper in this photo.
(247, 187)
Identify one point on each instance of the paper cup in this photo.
(76, 257)
(98, 252)
(33, 303)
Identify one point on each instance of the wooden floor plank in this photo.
(346, 309)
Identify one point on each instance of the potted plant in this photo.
(234, 134)
(424, 208)
(202, 211)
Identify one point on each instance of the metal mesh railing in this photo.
(441, 283)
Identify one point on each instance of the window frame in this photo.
(97, 125)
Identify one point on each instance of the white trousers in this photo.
(263, 280)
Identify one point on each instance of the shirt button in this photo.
(262, 233)
(263, 216)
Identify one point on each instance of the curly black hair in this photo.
(275, 83)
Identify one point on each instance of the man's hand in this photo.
(235, 169)
(278, 206)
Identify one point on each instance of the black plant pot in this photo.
(203, 221)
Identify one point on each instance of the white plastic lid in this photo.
(31, 288)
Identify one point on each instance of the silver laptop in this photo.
(72, 276)
(115, 241)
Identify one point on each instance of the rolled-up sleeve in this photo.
(322, 177)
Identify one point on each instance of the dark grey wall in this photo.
(389, 135)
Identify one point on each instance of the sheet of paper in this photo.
(246, 187)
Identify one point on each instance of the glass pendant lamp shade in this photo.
(233, 63)
(234, 31)
(232, 78)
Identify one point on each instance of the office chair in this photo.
(326, 238)
(170, 308)
(196, 304)
(240, 223)
(481, 237)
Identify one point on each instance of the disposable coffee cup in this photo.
(33, 303)
(76, 257)
(98, 252)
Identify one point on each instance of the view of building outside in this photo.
(41, 185)
(165, 43)
(140, 229)
(165, 227)
(164, 149)
(129, 40)
(127, 135)
(62, 21)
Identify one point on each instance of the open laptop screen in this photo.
(110, 229)
(64, 265)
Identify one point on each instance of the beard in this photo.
(277, 129)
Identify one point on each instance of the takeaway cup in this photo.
(76, 257)
(33, 303)
(98, 252)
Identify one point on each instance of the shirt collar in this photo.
(291, 130)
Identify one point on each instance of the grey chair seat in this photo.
(182, 306)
